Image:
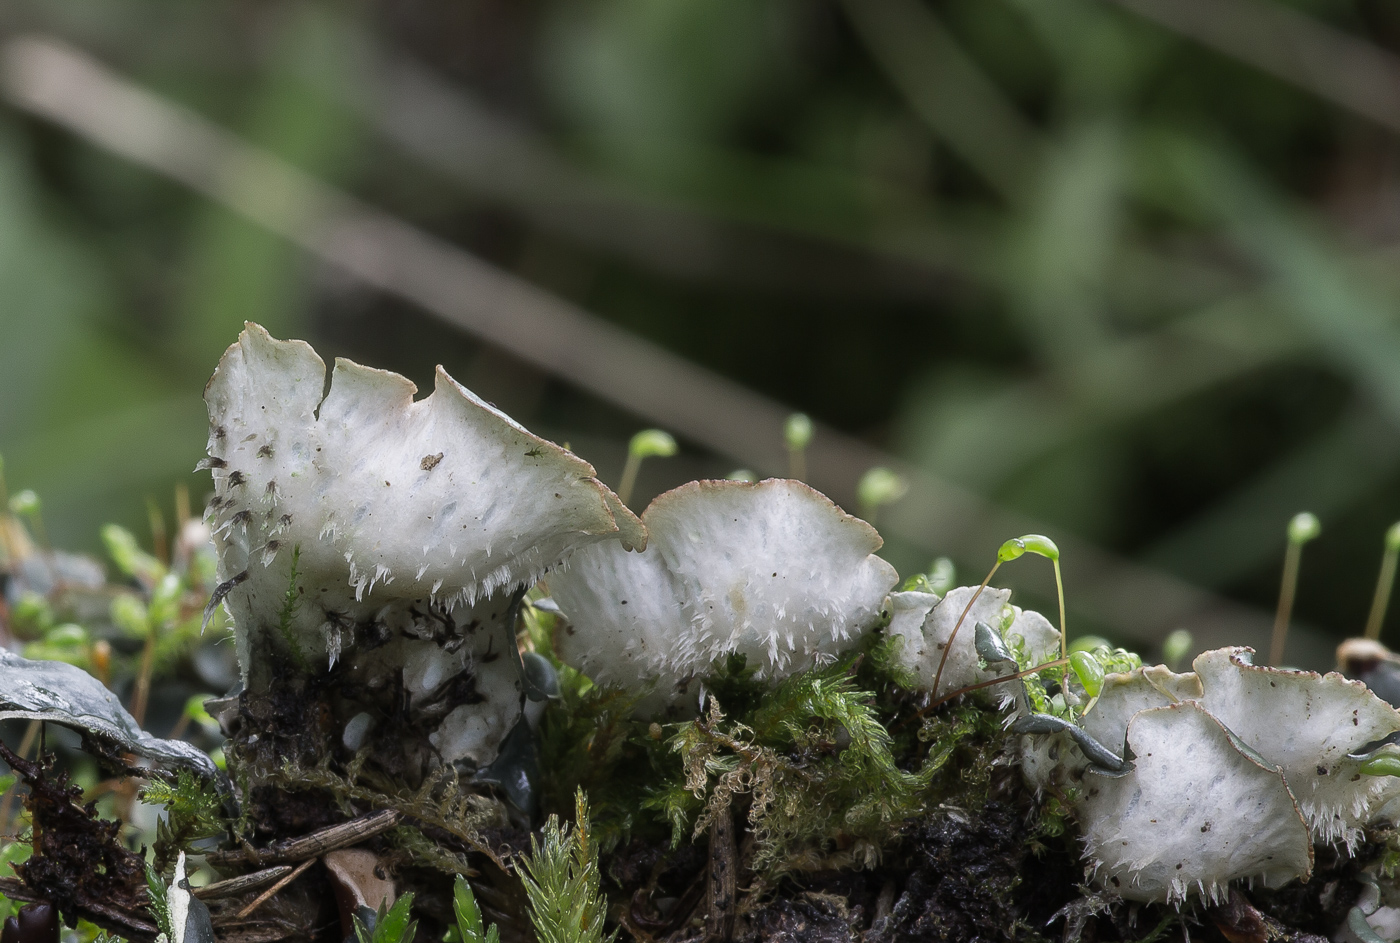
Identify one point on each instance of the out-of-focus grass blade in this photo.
(1349, 319)
(1061, 257)
(949, 90)
(237, 270)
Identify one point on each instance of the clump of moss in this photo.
(194, 810)
(563, 882)
(589, 739)
(815, 767)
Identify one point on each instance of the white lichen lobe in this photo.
(772, 571)
(1264, 756)
(927, 632)
(1306, 724)
(406, 521)
(1198, 812)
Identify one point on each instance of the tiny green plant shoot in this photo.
(470, 927)
(797, 435)
(1303, 528)
(194, 810)
(649, 443)
(26, 504)
(390, 925)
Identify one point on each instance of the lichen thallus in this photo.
(1012, 549)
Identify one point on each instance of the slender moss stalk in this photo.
(1303, 528)
(938, 675)
(1046, 547)
(1042, 546)
(645, 444)
(1176, 647)
(879, 486)
(142, 693)
(1013, 549)
(1384, 583)
(797, 433)
(290, 601)
(1025, 673)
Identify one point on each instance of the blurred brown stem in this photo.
(142, 692)
(180, 727)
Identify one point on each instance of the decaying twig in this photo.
(242, 884)
(271, 892)
(312, 844)
(722, 882)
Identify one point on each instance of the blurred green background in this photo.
(1136, 279)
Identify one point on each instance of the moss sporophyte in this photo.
(454, 640)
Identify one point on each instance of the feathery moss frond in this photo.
(470, 927)
(194, 810)
(563, 883)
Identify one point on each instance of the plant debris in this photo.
(79, 862)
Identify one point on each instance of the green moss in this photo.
(470, 927)
(589, 740)
(440, 801)
(563, 882)
(194, 810)
(390, 924)
(824, 781)
(290, 601)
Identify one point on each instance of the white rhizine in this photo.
(177, 898)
